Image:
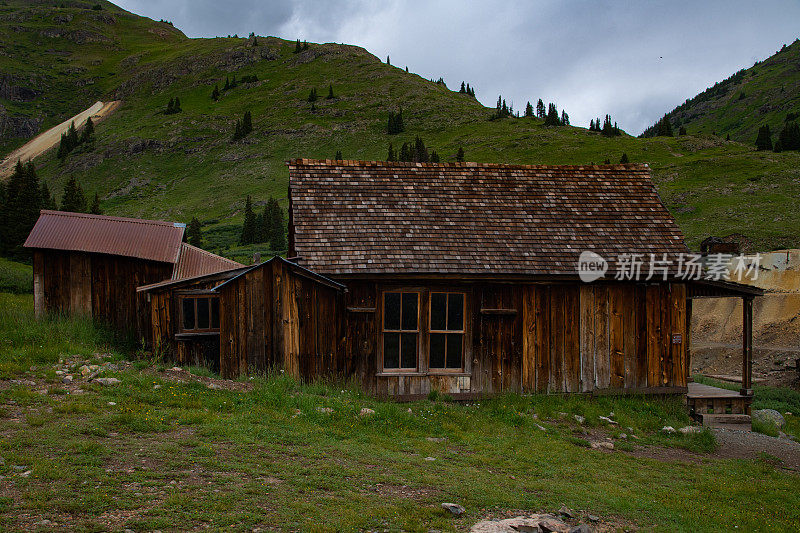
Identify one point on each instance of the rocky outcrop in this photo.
(18, 89)
(18, 126)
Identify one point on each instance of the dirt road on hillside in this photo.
(44, 141)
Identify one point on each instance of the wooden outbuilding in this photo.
(91, 264)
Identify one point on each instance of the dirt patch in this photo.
(179, 375)
(393, 490)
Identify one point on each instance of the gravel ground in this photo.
(739, 444)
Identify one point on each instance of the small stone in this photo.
(326, 410)
(59, 372)
(26, 473)
(623, 435)
(112, 404)
(176, 369)
(94, 368)
(581, 528)
(84, 370)
(19, 468)
(604, 444)
(44, 523)
(668, 429)
(108, 382)
(214, 386)
(430, 458)
(593, 518)
(409, 411)
(454, 508)
(2, 462)
(608, 420)
(788, 413)
(551, 525)
(688, 430)
(579, 419)
(366, 411)
(436, 439)
(156, 387)
(566, 511)
(540, 428)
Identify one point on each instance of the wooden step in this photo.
(716, 420)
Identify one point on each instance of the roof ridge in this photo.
(113, 218)
(457, 164)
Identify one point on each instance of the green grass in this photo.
(194, 170)
(15, 277)
(183, 455)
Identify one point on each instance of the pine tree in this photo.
(249, 226)
(338, 155)
(388, 61)
(392, 155)
(664, 128)
(564, 118)
(460, 154)
(420, 152)
(170, 106)
(552, 116)
(591, 125)
(194, 233)
(406, 153)
(21, 204)
(227, 84)
(395, 123)
(276, 227)
(777, 147)
(95, 209)
(330, 92)
(789, 137)
(312, 96)
(682, 130)
(215, 93)
(764, 138)
(540, 109)
(624, 158)
(528, 110)
(72, 136)
(46, 200)
(87, 135)
(313, 107)
(74, 200)
(434, 156)
(305, 45)
(247, 123)
(298, 47)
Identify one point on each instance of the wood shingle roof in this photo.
(359, 217)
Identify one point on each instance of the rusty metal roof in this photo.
(130, 237)
(194, 262)
(373, 217)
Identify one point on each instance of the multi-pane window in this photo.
(400, 330)
(199, 314)
(446, 347)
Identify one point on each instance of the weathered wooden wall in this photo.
(272, 317)
(97, 285)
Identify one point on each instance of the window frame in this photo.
(418, 332)
(462, 331)
(181, 296)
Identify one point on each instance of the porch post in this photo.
(747, 345)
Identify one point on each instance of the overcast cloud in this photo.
(635, 60)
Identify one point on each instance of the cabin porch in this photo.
(714, 406)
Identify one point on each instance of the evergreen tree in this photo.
(330, 92)
(313, 107)
(215, 93)
(552, 116)
(72, 136)
(249, 227)
(276, 227)
(170, 106)
(591, 125)
(46, 199)
(194, 233)
(74, 199)
(777, 147)
(789, 137)
(247, 123)
(528, 110)
(312, 96)
(540, 109)
(764, 138)
(664, 128)
(227, 84)
(682, 130)
(298, 47)
(392, 155)
(420, 152)
(406, 153)
(388, 61)
(305, 45)
(95, 208)
(87, 135)
(728, 137)
(460, 154)
(338, 155)
(463, 89)
(21, 204)
(395, 123)
(624, 158)
(564, 118)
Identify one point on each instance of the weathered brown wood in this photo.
(616, 333)
(687, 349)
(677, 323)
(572, 369)
(543, 338)
(602, 338)
(630, 334)
(653, 336)
(529, 338)
(586, 338)
(557, 346)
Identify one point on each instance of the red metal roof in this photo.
(373, 217)
(130, 237)
(195, 262)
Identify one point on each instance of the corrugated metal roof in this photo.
(195, 261)
(178, 283)
(130, 237)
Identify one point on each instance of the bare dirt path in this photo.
(44, 141)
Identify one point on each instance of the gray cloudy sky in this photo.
(633, 59)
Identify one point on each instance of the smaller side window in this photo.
(199, 314)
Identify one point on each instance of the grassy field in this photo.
(15, 277)
(148, 164)
(162, 450)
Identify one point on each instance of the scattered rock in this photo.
(623, 435)
(156, 387)
(668, 429)
(59, 372)
(454, 508)
(27, 473)
(552, 525)
(768, 416)
(566, 511)
(608, 420)
(176, 369)
(604, 444)
(688, 430)
(436, 439)
(326, 410)
(579, 419)
(112, 404)
(593, 518)
(19, 468)
(84, 370)
(44, 523)
(214, 386)
(430, 458)
(108, 382)
(581, 528)
(540, 428)
(366, 411)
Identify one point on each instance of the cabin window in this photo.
(199, 314)
(400, 330)
(446, 340)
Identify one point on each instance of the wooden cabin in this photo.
(91, 264)
(462, 277)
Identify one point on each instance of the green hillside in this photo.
(145, 163)
(765, 93)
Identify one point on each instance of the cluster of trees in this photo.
(243, 127)
(502, 110)
(231, 83)
(664, 127)
(21, 198)
(395, 124)
(71, 139)
(466, 89)
(415, 152)
(608, 129)
(300, 47)
(173, 106)
(268, 227)
(194, 233)
(788, 138)
(312, 96)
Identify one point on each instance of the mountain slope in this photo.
(145, 163)
(763, 94)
